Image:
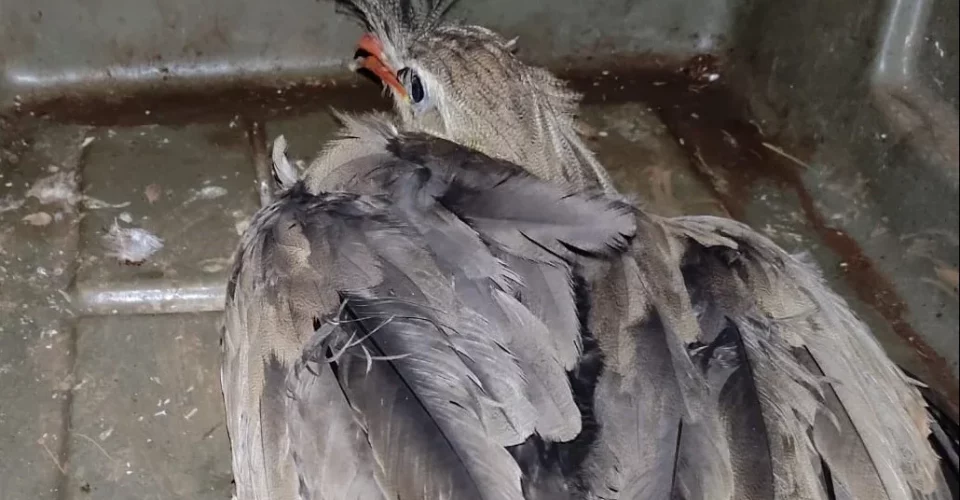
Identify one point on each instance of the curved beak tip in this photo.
(370, 56)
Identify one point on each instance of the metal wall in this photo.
(59, 46)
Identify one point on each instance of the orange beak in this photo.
(370, 44)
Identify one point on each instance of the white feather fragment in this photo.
(284, 173)
(60, 187)
(131, 245)
(211, 192)
(207, 193)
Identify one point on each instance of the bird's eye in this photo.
(413, 84)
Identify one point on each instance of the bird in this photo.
(375, 344)
(749, 306)
(775, 389)
(455, 302)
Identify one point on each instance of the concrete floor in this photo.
(97, 402)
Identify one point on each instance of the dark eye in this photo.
(412, 81)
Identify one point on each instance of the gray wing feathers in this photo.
(840, 445)
(638, 401)
(275, 285)
(547, 383)
(788, 310)
(315, 238)
(765, 400)
(538, 227)
(730, 370)
(327, 444)
(757, 348)
(421, 410)
(459, 252)
(547, 291)
(437, 359)
(517, 212)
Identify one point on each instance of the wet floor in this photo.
(102, 400)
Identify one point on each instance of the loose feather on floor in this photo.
(131, 245)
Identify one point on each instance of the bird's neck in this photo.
(555, 150)
(582, 167)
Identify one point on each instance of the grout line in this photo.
(77, 166)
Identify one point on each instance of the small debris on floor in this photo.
(7, 203)
(215, 265)
(60, 187)
(38, 219)
(786, 155)
(284, 174)
(208, 193)
(105, 434)
(95, 204)
(131, 245)
(152, 193)
(240, 221)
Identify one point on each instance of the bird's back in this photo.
(401, 338)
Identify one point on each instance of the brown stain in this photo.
(697, 112)
(176, 104)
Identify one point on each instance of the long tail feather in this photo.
(419, 405)
(790, 314)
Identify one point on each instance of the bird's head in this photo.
(466, 84)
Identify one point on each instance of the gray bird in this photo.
(730, 370)
(419, 317)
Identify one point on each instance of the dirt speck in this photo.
(39, 219)
(152, 193)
